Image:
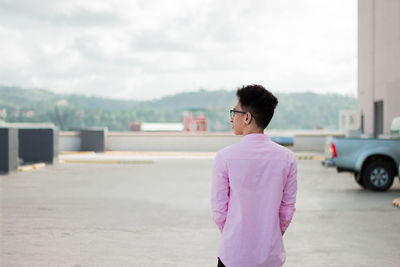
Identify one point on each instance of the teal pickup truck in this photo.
(374, 162)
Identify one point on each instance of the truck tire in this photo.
(359, 180)
(378, 176)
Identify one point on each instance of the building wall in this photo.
(378, 60)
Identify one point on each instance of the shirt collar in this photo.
(258, 137)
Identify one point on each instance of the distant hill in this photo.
(71, 111)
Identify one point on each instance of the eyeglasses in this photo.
(233, 111)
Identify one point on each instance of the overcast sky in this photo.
(143, 49)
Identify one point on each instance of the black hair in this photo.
(260, 102)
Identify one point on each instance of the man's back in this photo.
(253, 196)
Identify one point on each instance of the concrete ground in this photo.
(155, 211)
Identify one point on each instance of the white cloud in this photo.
(145, 49)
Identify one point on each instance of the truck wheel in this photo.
(359, 180)
(378, 176)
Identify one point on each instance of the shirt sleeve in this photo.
(287, 207)
(220, 191)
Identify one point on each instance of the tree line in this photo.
(72, 111)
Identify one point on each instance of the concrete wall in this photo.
(169, 142)
(378, 60)
(313, 142)
(208, 142)
(145, 141)
(70, 141)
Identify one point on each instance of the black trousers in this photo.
(220, 264)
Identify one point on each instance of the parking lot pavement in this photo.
(157, 213)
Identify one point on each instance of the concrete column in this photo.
(94, 139)
(38, 145)
(8, 149)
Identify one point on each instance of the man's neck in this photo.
(252, 131)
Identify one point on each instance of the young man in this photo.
(254, 186)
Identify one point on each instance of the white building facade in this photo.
(378, 65)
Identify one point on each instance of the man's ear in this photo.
(248, 118)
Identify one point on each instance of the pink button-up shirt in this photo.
(253, 199)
